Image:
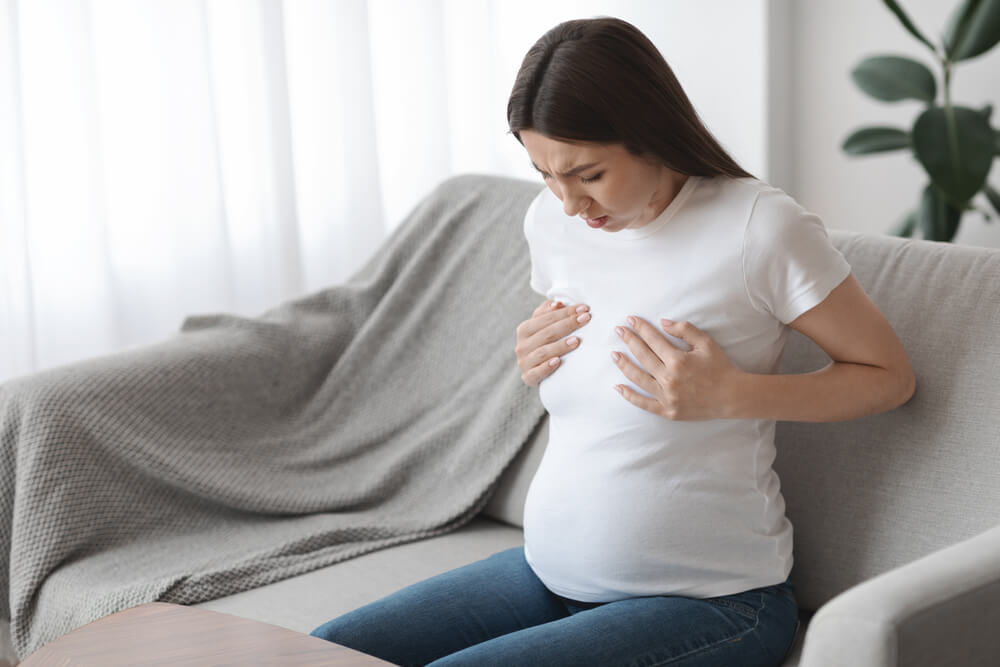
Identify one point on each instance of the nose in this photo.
(573, 203)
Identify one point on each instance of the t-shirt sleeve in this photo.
(539, 279)
(789, 263)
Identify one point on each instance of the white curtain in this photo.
(166, 157)
(160, 158)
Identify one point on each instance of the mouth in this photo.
(597, 223)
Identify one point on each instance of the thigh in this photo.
(748, 629)
(448, 612)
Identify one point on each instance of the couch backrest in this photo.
(870, 494)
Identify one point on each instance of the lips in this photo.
(596, 223)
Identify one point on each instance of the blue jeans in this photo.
(497, 612)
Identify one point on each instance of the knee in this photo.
(332, 631)
(350, 631)
(346, 631)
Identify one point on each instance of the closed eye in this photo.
(592, 179)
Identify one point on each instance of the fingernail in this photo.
(554, 361)
(583, 318)
(554, 304)
(666, 321)
(573, 340)
(620, 331)
(631, 321)
(582, 309)
(615, 357)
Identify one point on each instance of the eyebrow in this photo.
(572, 172)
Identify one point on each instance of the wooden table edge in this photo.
(148, 634)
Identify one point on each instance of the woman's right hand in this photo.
(541, 339)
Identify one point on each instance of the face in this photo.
(630, 191)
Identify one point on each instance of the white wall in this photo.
(869, 193)
(770, 78)
(482, 51)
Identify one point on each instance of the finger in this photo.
(539, 354)
(647, 358)
(635, 398)
(637, 375)
(551, 360)
(552, 340)
(686, 331)
(535, 376)
(547, 312)
(546, 306)
(544, 354)
(653, 338)
(557, 323)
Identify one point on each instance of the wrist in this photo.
(736, 395)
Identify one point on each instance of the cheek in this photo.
(635, 192)
(619, 194)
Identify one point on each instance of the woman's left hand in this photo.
(692, 384)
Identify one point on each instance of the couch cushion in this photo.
(304, 602)
(868, 495)
(7, 656)
(507, 502)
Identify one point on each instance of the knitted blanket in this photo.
(241, 451)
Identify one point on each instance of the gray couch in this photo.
(897, 544)
(897, 516)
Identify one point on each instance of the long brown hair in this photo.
(601, 80)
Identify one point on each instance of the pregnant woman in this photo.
(655, 530)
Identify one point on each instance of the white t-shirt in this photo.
(626, 503)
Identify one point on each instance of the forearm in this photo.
(838, 392)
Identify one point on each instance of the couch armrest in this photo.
(943, 609)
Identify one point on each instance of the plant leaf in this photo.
(937, 218)
(875, 140)
(987, 111)
(905, 226)
(894, 78)
(907, 23)
(973, 29)
(955, 150)
(993, 196)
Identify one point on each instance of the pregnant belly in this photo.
(617, 512)
(596, 544)
(588, 510)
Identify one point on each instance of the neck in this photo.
(672, 183)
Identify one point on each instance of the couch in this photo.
(896, 516)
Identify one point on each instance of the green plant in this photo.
(955, 144)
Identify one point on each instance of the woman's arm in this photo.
(869, 373)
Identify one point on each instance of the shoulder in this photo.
(531, 213)
(738, 198)
(776, 202)
(728, 187)
(542, 204)
(777, 218)
(767, 200)
(789, 263)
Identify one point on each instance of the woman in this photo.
(654, 527)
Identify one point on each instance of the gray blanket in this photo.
(242, 451)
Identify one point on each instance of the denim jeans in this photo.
(497, 612)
